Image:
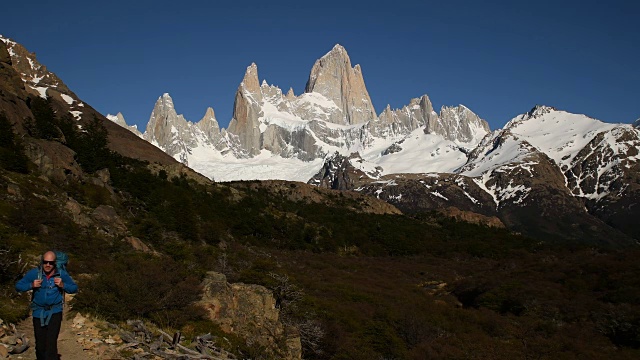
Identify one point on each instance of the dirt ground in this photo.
(69, 348)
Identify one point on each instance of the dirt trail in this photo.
(69, 346)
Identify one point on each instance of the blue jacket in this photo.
(48, 299)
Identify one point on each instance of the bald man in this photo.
(49, 285)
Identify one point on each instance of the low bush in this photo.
(140, 286)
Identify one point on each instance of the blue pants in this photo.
(47, 337)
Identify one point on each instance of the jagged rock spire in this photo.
(333, 77)
(118, 119)
(419, 113)
(209, 124)
(162, 117)
(250, 82)
(291, 96)
(246, 110)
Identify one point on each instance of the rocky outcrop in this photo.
(471, 217)
(334, 78)
(109, 220)
(53, 160)
(338, 173)
(250, 312)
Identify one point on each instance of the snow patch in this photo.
(42, 90)
(76, 114)
(68, 99)
(437, 194)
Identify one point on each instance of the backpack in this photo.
(62, 259)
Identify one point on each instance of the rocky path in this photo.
(79, 340)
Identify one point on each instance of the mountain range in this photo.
(547, 173)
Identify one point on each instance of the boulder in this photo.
(249, 311)
(108, 218)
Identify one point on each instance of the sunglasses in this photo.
(44, 262)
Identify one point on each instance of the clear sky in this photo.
(499, 58)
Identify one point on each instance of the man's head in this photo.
(49, 261)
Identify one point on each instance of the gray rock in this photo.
(248, 311)
(458, 124)
(246, 111)
(333, 77)
(177, 136)
(393, 123)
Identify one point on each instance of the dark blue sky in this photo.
(499, 58)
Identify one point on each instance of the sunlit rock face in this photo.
(334, 78)
(246, 111)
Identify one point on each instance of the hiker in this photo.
(49, 282)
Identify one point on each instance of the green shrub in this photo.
(140, 286)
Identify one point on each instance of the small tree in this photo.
(45, 125)
(12, 156)
(288, 295)
(92, 151)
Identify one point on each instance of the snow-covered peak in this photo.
(636, 124)
(539, 110)
(559, 134)
(536, 112)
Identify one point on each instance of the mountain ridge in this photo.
(546, 161)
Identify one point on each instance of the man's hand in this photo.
(58, 282)
(36, 284)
